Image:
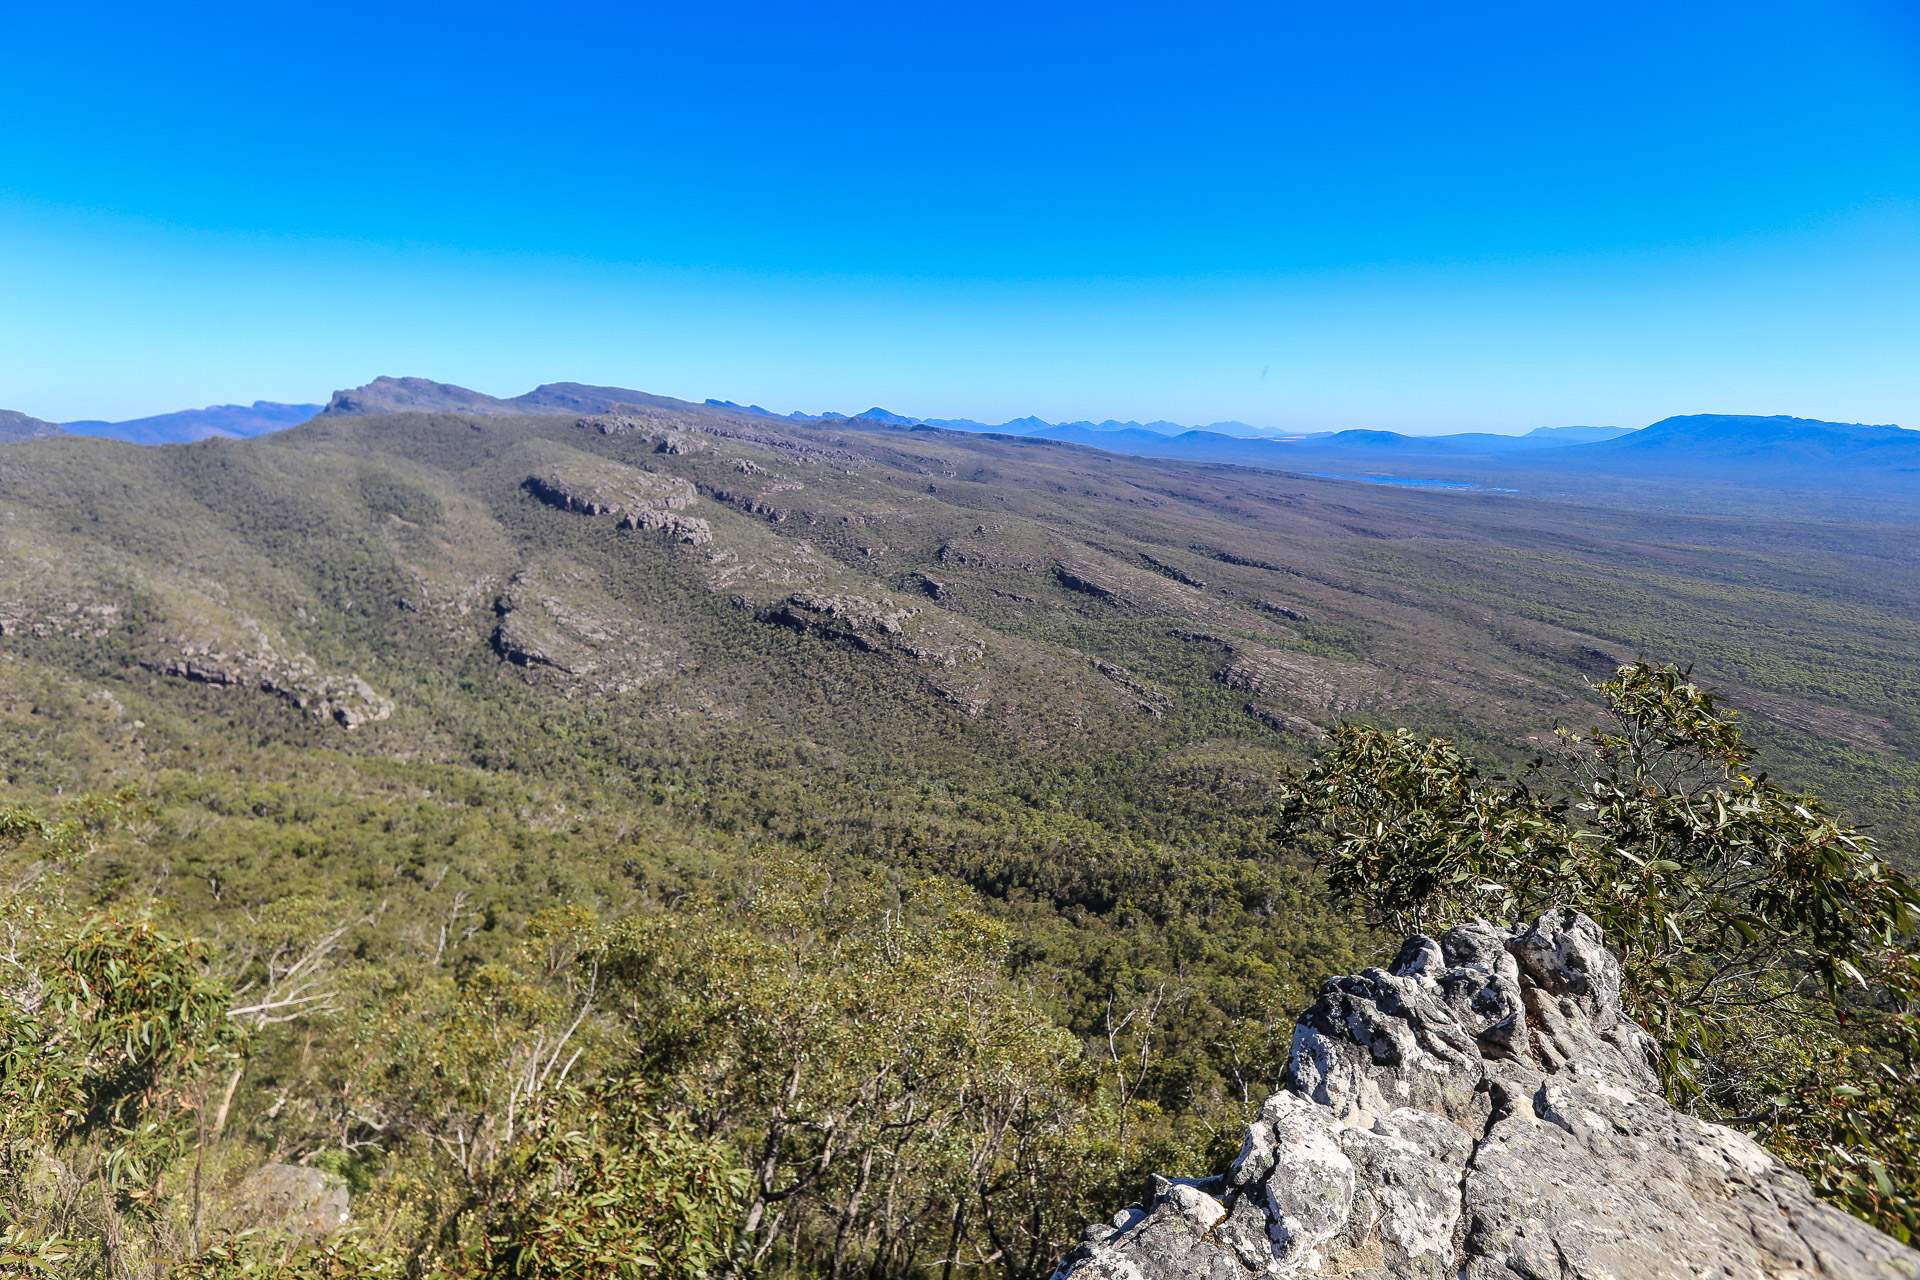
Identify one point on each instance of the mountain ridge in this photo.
(228, 421)
(1732, 462)
(1750, 431)
(15, 425)
(400, 395)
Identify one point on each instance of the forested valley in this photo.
(665, 841)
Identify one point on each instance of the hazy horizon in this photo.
(824, 412)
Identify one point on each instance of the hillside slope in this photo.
(1721, 463)
(946, 602)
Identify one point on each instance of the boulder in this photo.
(295, 1200)
(1483, 1108)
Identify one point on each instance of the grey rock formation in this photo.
(561, 631)
(641, 499)
(295, 1200)
(846, 617)
(340, 696)
(1480, 1109)
(668, 432)
(242, 652)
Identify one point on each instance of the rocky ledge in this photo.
(641, 499)
(250, 659)
(853, 618)
(1482, 1109)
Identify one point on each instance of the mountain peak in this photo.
(1777, 426)
(877, 414)
(1778, 436)
(580, 397)
(403, 395)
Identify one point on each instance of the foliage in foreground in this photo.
(1768, 946)
(819, 1067)
(807, 1073)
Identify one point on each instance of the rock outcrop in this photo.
(845, 617)
(1483, 1109)
(292, 1200)
(941, 649)
(668, 432)
(641, 499)
(559, 629)
(236, 651)
(1299, 679)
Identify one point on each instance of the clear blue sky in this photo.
(1416, 216)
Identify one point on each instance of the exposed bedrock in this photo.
(1482, 1109)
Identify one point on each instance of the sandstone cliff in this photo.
(1483, 1109)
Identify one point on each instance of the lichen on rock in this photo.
(1482, 1108)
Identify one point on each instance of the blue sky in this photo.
(1411, 216)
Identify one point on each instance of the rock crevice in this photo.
(1483, 1108)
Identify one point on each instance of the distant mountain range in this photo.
(1697, 457)
(18, 426)
(232, 421)
(399, 395)
(1152, 440)
(1731, 460)
(1727, 462)
(1107, 434)
(1018, 426)
(382, 395)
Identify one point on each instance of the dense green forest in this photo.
(882, 831)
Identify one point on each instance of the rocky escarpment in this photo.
(1482, 1109)
(939, 647)
(203, 637)
(668, 432)
(641, 499)
(341, 697)
(855, 618)
(560, 630)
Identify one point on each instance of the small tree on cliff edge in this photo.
(1767, 946)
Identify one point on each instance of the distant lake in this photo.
(1417, 484)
